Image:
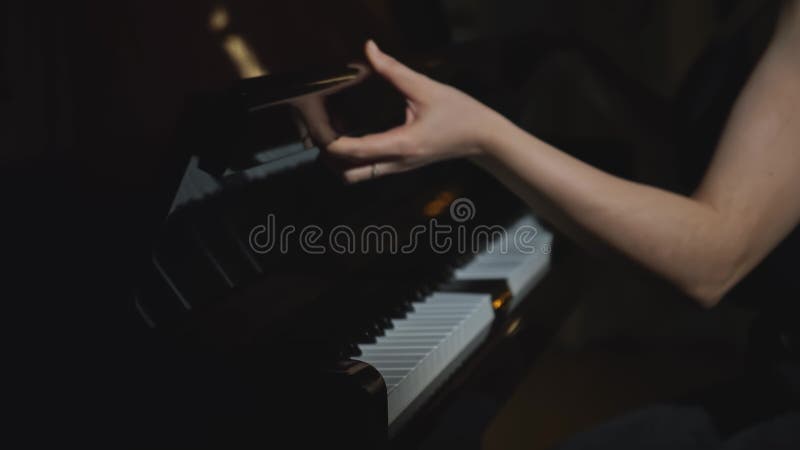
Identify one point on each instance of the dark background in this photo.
(90, 93)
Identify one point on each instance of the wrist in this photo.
(487, 141)
(489, 134)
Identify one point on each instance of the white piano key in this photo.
(423, 346)
(380, 365)
(405, 349)
(415, 333)
(520, 269)
(431, 322)
(420, 350)
(406, 343)
(419, 329)
(443, 307)
(405, 359)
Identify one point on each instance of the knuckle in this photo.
(347, 152)
(348, 177)
(414, 147)
(335, 148)
(359, 153)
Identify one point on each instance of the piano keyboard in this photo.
(419, 326)
(422, 349)
(418, 352)
(517, 265)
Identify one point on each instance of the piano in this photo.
(411, 318)
(176, 131)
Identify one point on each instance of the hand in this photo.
(441, 123)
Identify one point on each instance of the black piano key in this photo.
(189, 271)
(398, 312)
(157, 302)
(495, 287)
(228, 252)
(376, 330)
(385, 323)
(365, 338)
(351, 350)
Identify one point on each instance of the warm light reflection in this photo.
(219, 19)
(236, 47)
(501, 300)
(243, 57)
(439, 204)
(513, 327)
(333, 80)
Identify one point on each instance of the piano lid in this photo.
(99, 90)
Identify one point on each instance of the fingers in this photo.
(302, 129)
(412, 84)
(316, 119)
(395, 143)
(337, 164)
(371, 171)
(394, 150)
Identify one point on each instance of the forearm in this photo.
(682, 239)
(704, 244)
(745, 205)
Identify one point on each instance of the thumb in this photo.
(412, 84)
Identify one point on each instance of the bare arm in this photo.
(748, 202)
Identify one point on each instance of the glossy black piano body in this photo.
(314, 316)
(173, 333)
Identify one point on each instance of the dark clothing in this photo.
(758, 411)
(687, 428)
